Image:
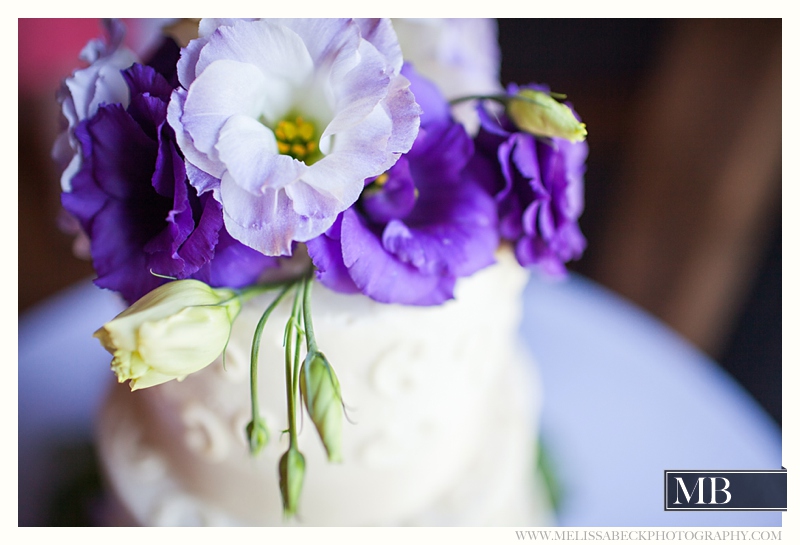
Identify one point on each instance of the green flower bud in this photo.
(174, 330)
(257, 435)
(291, 471)
(323, 399)
(540, 114)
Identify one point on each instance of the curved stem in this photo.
(254, 349)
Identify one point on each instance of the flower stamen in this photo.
(296, 138)
(381, 180)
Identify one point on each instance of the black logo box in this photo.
(731, 490)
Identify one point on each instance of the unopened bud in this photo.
(291, 471)
(322, 396)
(257, 435)
(540, 114)
(176, 329)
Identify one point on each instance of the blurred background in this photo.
(683, 187)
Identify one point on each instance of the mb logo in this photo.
(739, 490)
(715, 485)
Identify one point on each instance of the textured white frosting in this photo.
(443, 404)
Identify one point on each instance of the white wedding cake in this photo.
(442, 402)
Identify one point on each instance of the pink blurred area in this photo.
(49, 48)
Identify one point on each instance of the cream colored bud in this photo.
(319, 387)
(291, 472)
(174, 330)
(540, 114)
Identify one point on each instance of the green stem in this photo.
(311, 340)
(247, 293)
(255, 349)
(498, 98)
(298, 345)
(289, 361)
(503, 99)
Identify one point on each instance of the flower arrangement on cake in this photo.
(249, 161)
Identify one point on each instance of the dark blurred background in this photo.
(683, 188)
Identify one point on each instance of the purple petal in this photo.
(326, 254)
(116, 252)
(394, 199)
(381, 276)
(145, 80)
(526, 162)
(511, 224)
(234, 264)
(123, 154)
(458, 239)
(441, 153)
(534, 252)
(434, 106)
(197, 246)
(398, 240)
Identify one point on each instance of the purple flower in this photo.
(282, 120)
(417, 227)
(86, 89)
(132, 198)
(538, 186)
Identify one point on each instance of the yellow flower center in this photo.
(297, 138)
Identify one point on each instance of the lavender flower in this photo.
(82, 93)
(538, 186)
(282, 120)
(133, 200)
(417, 227)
